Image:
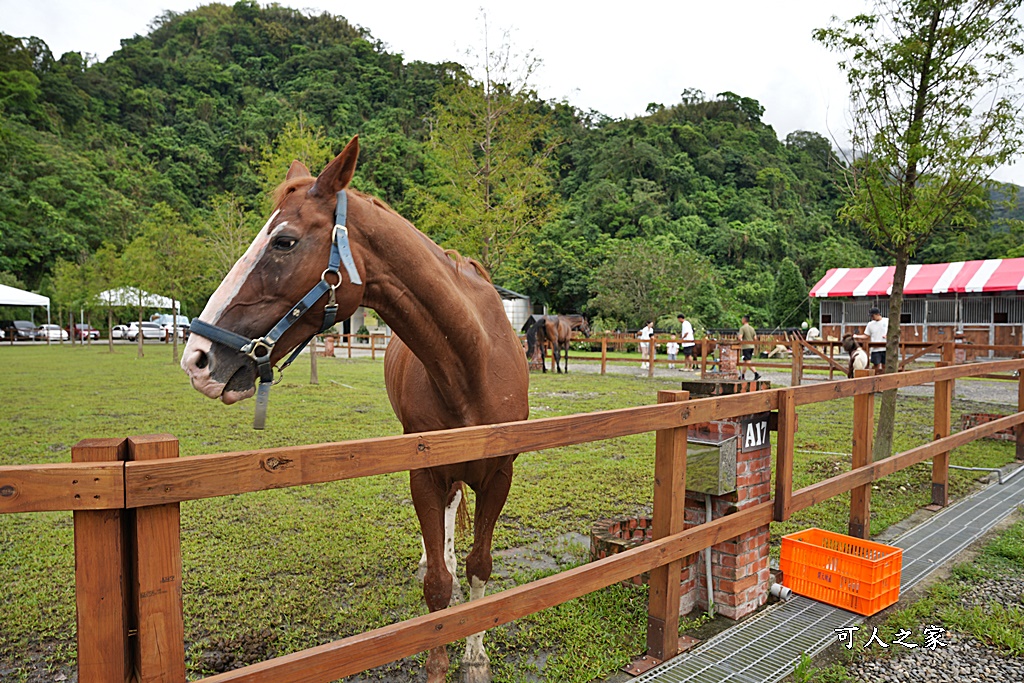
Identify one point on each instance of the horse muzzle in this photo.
(218, 372)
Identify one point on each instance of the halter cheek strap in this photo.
(260, 349)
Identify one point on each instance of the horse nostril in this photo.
(202, 360)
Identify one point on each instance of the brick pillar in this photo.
(739, 566)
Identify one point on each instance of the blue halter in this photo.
(262, 348)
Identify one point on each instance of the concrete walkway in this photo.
(767, 647)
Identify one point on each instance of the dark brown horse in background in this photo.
(555, 331)
(454, 360)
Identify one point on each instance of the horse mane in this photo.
(289, 186)
(462, 261)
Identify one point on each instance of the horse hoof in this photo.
(476, 672)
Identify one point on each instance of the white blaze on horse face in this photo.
(239, 273)
(225, 294)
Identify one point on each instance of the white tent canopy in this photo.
(130, 296)
(11, 296)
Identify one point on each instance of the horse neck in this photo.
(420, 293)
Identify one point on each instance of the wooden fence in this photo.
(125, 494)
(822, 355)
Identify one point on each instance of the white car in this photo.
(118, 331)
(51, 332)
(149, 331)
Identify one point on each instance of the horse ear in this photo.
(297, 170)
(339, 172)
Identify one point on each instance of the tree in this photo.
(166, 258)
(102, 273)
(789, 304)
(299, 140)
(642, 281)
(490, 161)
(934, 112)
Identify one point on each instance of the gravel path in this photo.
(961, 660)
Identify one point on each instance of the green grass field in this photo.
(273, 572)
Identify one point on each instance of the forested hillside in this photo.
(180, 135)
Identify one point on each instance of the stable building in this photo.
(982, 301)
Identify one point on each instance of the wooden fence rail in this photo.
(125, 494)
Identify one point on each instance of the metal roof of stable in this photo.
(959, 277)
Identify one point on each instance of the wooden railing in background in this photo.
(125, 495)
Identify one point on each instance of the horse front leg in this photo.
(558, 358)
(429, 498)
(491, 496)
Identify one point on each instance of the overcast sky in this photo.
(613, 58)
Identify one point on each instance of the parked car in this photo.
(166, 321)
(51, 332)
(149, 331)
(118, 331)
(20, 330)
(84, 331)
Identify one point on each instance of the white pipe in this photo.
(781, 592)
(707, 559)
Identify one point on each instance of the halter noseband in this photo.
(260, 349)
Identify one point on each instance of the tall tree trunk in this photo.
(110, 329)
(887, 411)
(140, 338)
(174, 329)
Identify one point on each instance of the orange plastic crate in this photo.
(850, 573)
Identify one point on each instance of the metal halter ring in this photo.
(258, 344)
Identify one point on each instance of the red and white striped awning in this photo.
(993, 275)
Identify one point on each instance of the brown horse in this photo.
(556, 331)
(454, 360)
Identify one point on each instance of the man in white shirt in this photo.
(688, 342)
(645, 335)
(876, 331)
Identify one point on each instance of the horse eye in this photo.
(284, 243)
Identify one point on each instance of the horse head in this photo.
(287, 259)
(585, 328)
(531, 337)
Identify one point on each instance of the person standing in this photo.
(672, 348)
(748, 334)
(876, 331)
(688, 342)
(645, 337)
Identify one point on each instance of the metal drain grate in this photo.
(767, 647)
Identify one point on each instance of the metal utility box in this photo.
(711, 464)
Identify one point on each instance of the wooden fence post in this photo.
(949, 352)
(831, 357)
(863, 433)
(350, 345)
(784, 444)
(1019, 430)
(704, 358)
(651, 353)
(604, 354)
(156, 599)
(797, 372)
(940, 463)
(668, 518)
(373, 347)
(102, 588)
